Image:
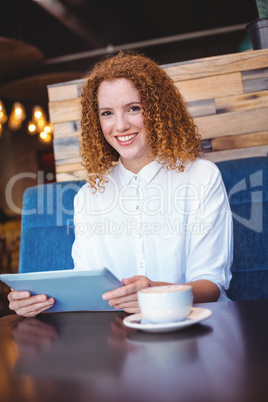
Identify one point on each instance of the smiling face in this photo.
(121, 120)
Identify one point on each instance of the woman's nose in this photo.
(121, 123)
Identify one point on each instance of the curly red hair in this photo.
(173, 136)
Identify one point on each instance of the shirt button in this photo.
(139, 236)
(136, 177)
(137, 207)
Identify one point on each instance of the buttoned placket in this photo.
(139, 237)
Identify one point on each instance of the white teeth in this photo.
(126, 137)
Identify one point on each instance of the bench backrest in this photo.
(246, 182)
(47, 230)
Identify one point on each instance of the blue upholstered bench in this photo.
(47, 226)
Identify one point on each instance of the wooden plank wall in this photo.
(227, 96)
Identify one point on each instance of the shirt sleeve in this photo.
(210, 243)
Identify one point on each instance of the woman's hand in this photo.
(28, 306)
(126, 297)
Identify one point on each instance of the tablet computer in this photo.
(73, 290)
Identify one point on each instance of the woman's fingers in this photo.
(129, 307)
(137, 283)
(33, 310)
(135, 278)
(28, 306)
(126, 297)
(13, 295)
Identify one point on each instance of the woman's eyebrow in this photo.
(104, 108)
(127, 104)
(131, 103)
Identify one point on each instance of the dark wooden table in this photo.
(91, 356)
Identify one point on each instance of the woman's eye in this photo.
(134, 109)
(106, 113)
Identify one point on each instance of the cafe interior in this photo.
(217, 55)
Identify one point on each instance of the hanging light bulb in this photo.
(45, 137)
(39, 118)
(37, 112)
(48, 128)
(3, 115)
(41, 123)
(17, 116)
(32, 129)
(19, 111)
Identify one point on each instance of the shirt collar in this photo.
(125, 176)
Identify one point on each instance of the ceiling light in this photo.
(3, 115)
(45, 137)
(32, 129)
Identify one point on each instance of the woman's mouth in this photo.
(126, 139)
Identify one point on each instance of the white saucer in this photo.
(196, 315)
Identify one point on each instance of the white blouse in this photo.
(169, 226)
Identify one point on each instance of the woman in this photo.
(152, 210)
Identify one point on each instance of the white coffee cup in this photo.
(162, 304)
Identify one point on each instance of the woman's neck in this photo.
(134, 165)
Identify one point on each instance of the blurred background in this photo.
(43, 42)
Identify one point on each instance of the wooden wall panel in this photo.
(211, 87)
(65, 90)
(242, 122)
(227, 96)
(255, 80)
(74, 174)
(240, 141)
(65, 110)
(217, 65)
(65, 148)
(237, 153)
(67, 129)
(204, 107)
(254, 100)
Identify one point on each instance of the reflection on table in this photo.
(93, 356)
